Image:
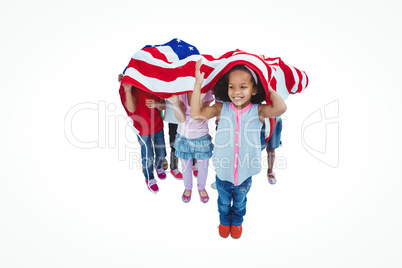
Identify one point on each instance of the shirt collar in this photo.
(245, 109)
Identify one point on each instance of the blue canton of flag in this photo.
(181, 48)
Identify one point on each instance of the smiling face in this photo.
(241, 88)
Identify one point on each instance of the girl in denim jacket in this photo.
(237, 147)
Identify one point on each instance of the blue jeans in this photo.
(275, 139)
(148, 144)
(232, 201)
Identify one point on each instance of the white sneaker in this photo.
(213, 185)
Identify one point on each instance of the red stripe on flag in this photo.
(289, 79)
(156, 53)
(224, 56)
(299, 86)
(272, 83)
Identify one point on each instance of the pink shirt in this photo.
(190, 128)
(236, 148)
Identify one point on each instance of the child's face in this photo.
(241, 88)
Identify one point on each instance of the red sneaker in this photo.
(235, 231)
(195, 170)
(224, 230)
(177, 174)
(152, 186)
(161, 173)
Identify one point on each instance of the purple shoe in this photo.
(271, 178)
(185, 198)
(161, 173)
(152, 186)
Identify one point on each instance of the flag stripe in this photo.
(163, 74)
(151, 84)
(169, 53)
(155, 53)
(221, 66)
(147, 57)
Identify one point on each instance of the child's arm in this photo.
(160, 105)
(196, 111)
(277, 108)
(130, 98)
(205, 104)
(178, 106)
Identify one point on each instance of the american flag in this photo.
(169, 69)
(163, 69)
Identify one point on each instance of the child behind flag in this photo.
(192, 142)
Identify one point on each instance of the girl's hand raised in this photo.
(199, 77)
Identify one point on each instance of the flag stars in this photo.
(191, 48)
(178, 40)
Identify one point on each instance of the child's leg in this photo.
(271, 159)
(239, 202)
(273, 143)
(186, 166)
(174, 161)
(160, 149)
(147, 157)
(202, 173)
(224, 201)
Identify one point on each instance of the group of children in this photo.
(236, 151)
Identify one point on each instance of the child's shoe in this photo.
(152, 186)
(165, 164)
(271, 178)
(213, 185)
(177, 174)
(195, 170)
(224, 230)
(204, 199)
(235, 231)
(161, 173)
(186, 198)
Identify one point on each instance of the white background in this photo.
(65, 206)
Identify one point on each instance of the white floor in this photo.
(71, 194)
